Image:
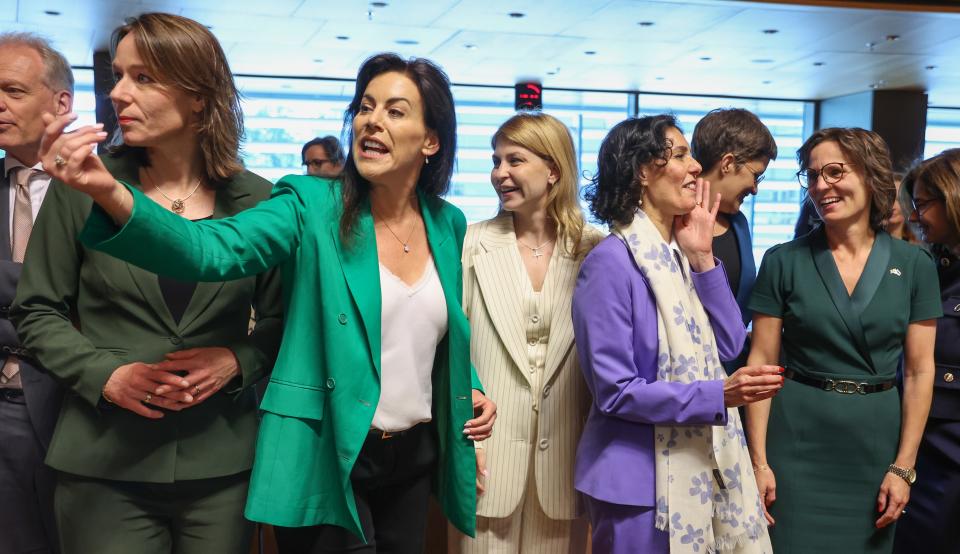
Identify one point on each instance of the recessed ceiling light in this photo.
(379, 4)
(343, 37)
(517, 15)
(317, 60)
(470, 46)
(771, 31)
(892, 38)
(51, 12)
(551, 72)
(406, 41)
(590, 52)
(766, 82)
(645, 23)
(818, 64)
(930, 67)
(762, 60)
(659, 78)
(705, 58)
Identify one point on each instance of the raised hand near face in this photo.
(694, 230)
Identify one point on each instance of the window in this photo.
(943, 130)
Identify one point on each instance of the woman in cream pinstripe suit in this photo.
(519, 272)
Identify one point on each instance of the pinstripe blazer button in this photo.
(176, 340)
(532, 342)
(535, 318)
(342, 318)
(544, 444)
(546, 391)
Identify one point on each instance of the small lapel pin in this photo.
(895, 271)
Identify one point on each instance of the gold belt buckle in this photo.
(845, 387)
(385, 435)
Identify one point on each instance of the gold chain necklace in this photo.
(405, 243)
(177, 205)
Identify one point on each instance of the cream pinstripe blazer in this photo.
(492, 287)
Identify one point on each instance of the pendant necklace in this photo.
(177, 205)
(405, 243)
(537, 250)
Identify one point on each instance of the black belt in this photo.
(842, 386)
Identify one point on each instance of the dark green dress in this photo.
(830, 451)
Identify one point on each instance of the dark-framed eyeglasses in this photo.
(758, 176)
(831, 172)
(316, 163)
(921, 206)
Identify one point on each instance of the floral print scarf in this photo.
(707, 497)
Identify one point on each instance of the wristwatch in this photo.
(908, 475)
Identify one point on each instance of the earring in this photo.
(426, 161)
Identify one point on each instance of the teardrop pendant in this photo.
(406, 248)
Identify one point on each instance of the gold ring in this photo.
(148, 398)
(59, 161)
(196, 390)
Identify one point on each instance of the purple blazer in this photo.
(615, 326)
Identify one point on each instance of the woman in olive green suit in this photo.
(838, 307)
(155, 440)
(344, 454)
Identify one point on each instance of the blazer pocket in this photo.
(294, 400)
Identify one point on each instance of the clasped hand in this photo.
(183, 379)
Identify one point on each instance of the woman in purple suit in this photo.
(662, 461)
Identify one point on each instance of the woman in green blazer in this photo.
(328, 459)
(146, 467)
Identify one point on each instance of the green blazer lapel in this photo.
(830, 275)
(126, 169)
(361, 270)
(445, 255)
(226, 203)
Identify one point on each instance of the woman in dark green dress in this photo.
(837, 307)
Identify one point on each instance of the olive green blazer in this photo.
(81, 314)
(325, 387)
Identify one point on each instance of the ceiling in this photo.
(698, 47)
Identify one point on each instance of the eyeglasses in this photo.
(316, 163)
(921, 206)
(758, 176)
(831, 173)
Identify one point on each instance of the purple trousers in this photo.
(621, 529)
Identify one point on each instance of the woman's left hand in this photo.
(480, 427)
(206, 370)
(694, 230)
(894, 495)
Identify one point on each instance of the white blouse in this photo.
(413, 321)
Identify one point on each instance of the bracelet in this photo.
(761, 467)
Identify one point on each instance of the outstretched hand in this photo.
(694, 230)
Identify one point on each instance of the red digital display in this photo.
(528, 96)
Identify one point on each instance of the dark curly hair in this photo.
(869, 155)
(438, 115)
(614, 193)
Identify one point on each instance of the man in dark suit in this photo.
(734, 147)
(34, 78)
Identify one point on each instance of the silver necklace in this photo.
(176, 204)
(537, 250)
(405, 243)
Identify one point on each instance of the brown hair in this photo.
(869, 155)
(941, 176)
(548, 138)
(731, 131)
(184, 54)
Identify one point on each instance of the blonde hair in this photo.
(184, 54)
(548, 138)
